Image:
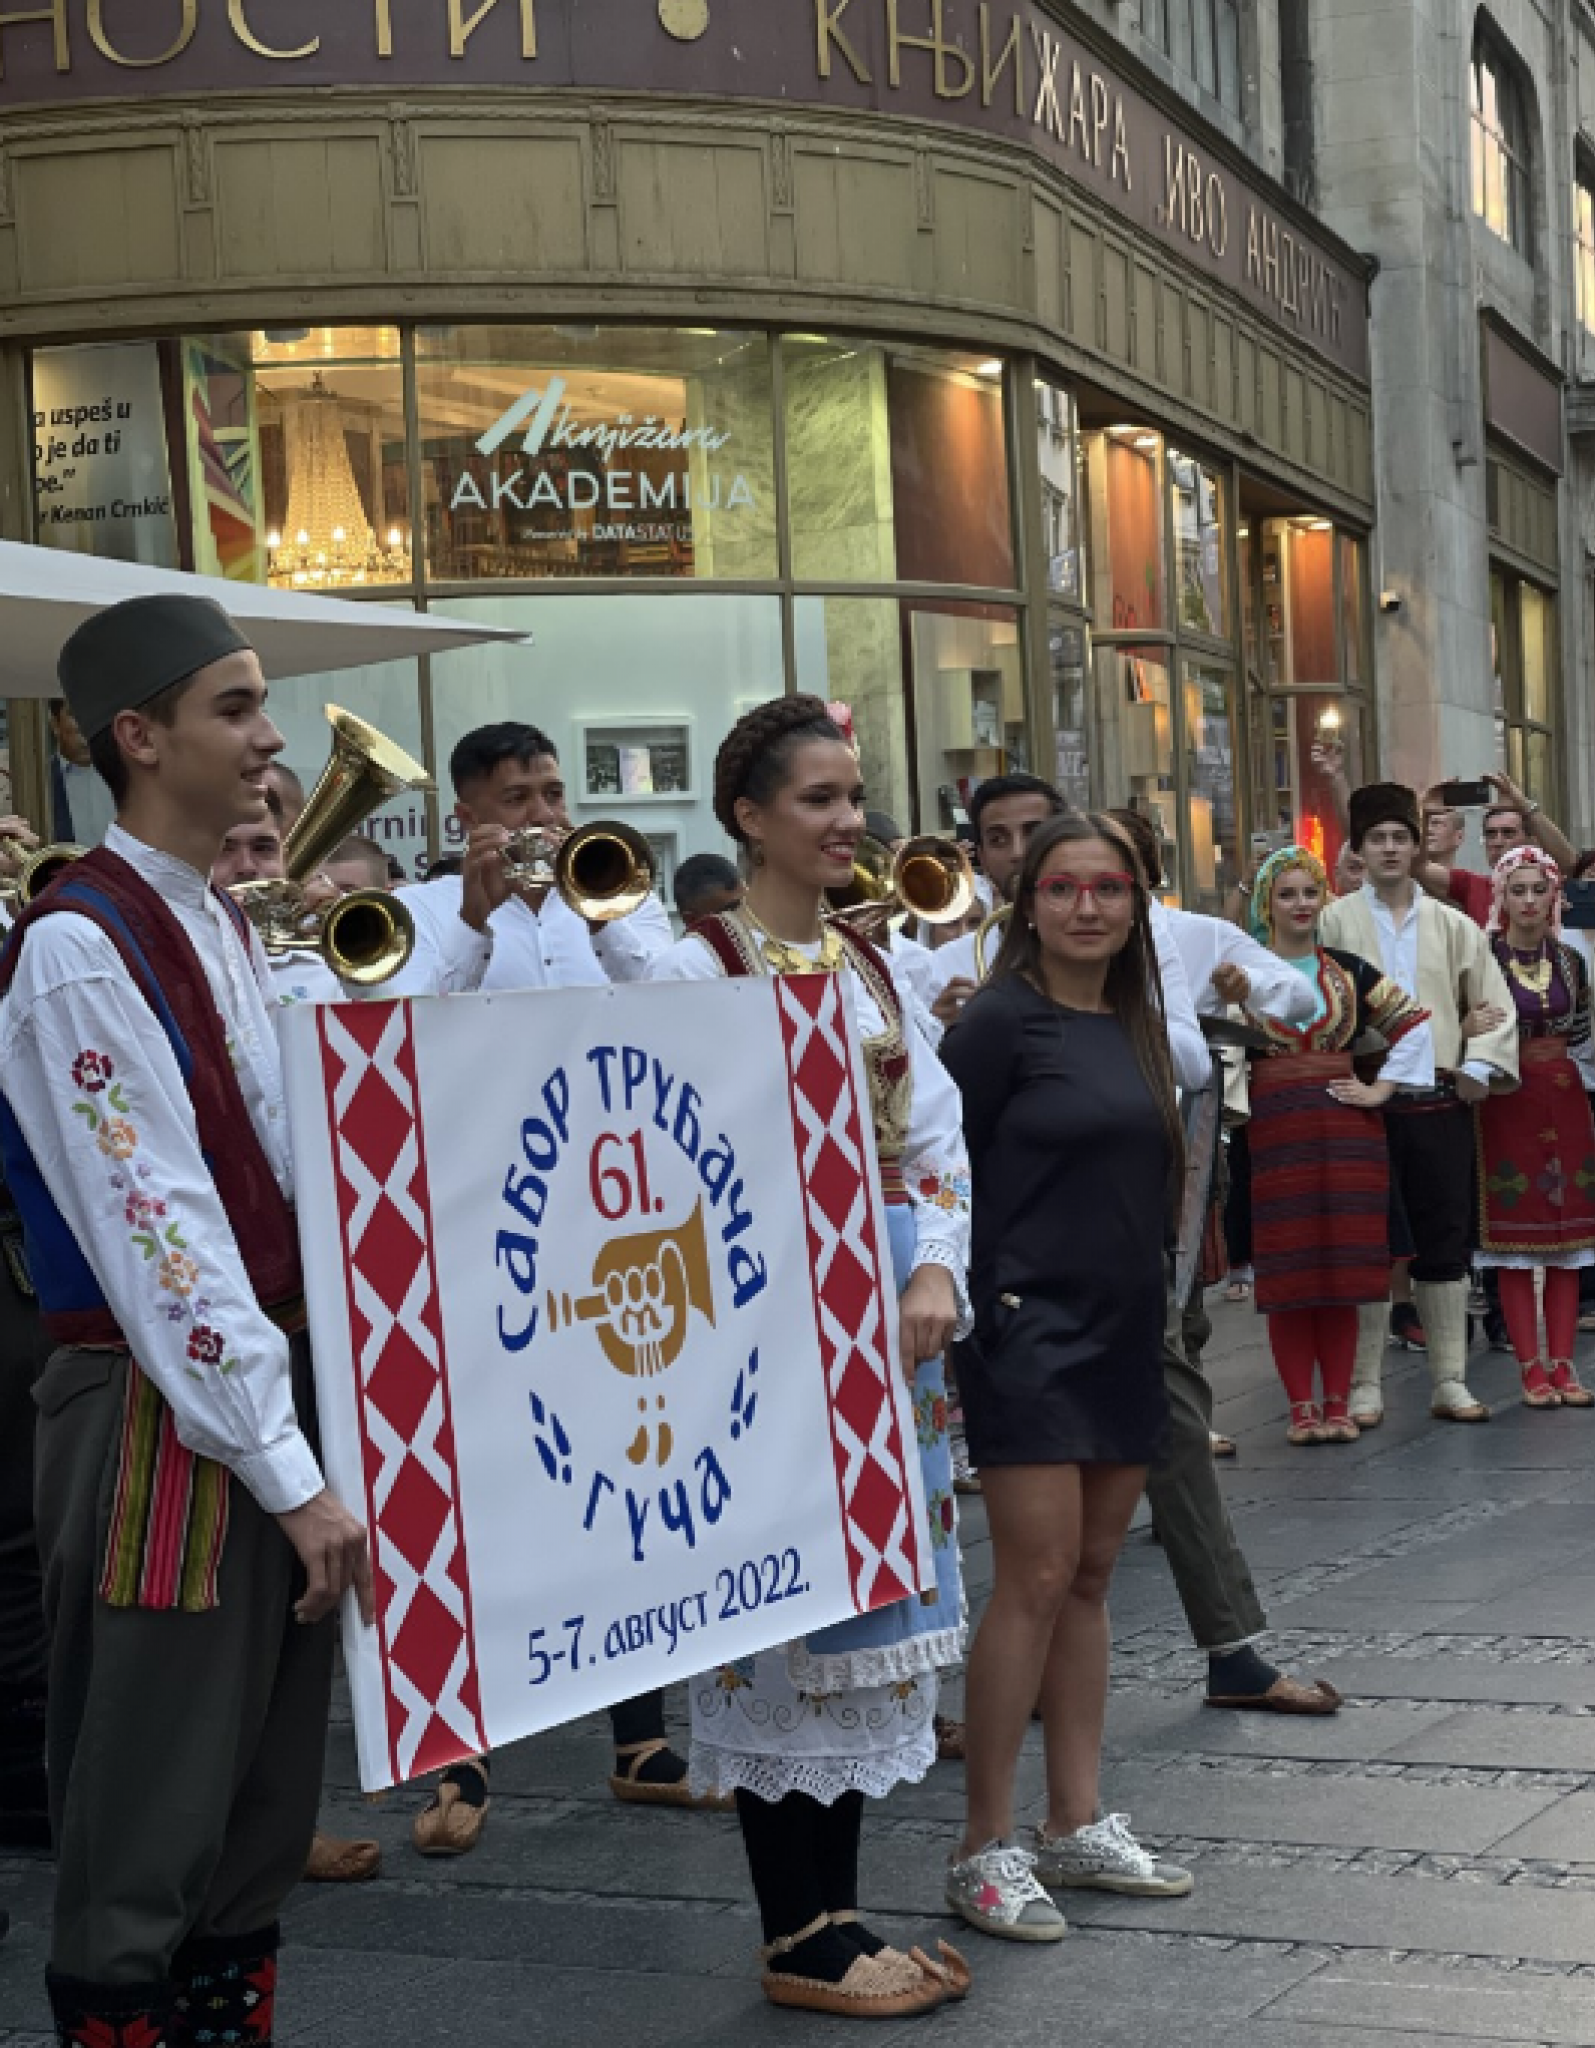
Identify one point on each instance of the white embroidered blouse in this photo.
(94, 1084)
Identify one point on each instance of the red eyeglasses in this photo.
(1109, 892)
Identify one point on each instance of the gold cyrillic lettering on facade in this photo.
(1217, 214)
(462, 28)
(1304, 281)
(1099, 118)
(945, 53)
(1254, 251)
(828, 27)
(1012, 51)
(187, 26)
(1271, 258)
(1119, 163)
(1197, 225)
(1174, 183)
(1287, 272)
(384, 27)
(1048, 113)
(1079, 133)
(246, 35)
(54, 13)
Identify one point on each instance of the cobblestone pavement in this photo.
(1419, 1870)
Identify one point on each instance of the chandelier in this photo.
(326, 541)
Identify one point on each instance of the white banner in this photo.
(604, 1322)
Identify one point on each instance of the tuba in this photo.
(367, 936)
(930, 879)
(604, 870)
(38, 871)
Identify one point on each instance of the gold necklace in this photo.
(1536, 978)
(781, 956)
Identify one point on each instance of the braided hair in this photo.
(753, 757)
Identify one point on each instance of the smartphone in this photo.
(1466, 796)
(1578, 901)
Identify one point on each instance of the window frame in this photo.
(1501, 139)
(1584, 237)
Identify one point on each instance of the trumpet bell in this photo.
(872, 878)
(933, 880)
(367, 937)
(989, 937)
(364, 771)
(605, 870)
(39, 870)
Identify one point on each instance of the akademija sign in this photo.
(1009, 68)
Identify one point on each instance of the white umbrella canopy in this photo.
(46, 593)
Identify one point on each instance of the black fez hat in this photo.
(122, 657)
(1384, 803)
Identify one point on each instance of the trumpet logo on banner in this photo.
(645, 1288)
(621, 1150)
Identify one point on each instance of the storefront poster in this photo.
(601, 1300)
(102, 481)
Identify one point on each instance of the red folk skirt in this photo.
(1320, 1188)
(1537, 1160)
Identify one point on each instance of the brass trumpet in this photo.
(930, 879)
(367, 936)
(38, 871)
(604, 870)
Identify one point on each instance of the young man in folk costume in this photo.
(1441, 958)
(507, 778)
(193, 1556)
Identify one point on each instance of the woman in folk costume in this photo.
(1537, 1147)
(1320, 1167)
(802, 1733)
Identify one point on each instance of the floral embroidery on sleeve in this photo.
(949, 1191)
(105, 1110)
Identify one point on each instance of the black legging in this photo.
(803, 1857)
(1238, 1203)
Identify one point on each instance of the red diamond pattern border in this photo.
(835, 1145)
(429, 1663)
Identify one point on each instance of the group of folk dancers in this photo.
(1031, 1153)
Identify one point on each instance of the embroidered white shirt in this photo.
(92, 1079)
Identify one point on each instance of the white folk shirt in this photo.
(547, 948)
(454, 963)
(72, 995)
(1411, 1064)
(1279, 991)
(1188, 1053)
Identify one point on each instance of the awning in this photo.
(46, 593)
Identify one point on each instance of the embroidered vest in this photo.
(170, 1510)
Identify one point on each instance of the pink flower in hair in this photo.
(841, 716)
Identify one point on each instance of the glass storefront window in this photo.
(1300, 740)
(969, 704)
(850, 651)
(1058, 458)
(102, 477)
(897, 465)
(1353, 601)
(1066, 661)
(1525, 656)
(1136, 737)
(1127, 531)
(592, 451)
(662, 677)
(1536, 611)
(1212, 806)
(1201, 568)
(325, 410)
(1300, 626)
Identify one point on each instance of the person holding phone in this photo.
(1511, 819)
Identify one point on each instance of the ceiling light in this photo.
(991, 369)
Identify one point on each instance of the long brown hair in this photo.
(1134, 986)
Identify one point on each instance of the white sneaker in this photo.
(965, 1478)
(996, 1891)
(1106, 1857)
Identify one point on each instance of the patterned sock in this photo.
(226, 1990)
(110, 2015)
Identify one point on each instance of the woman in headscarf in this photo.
(1320, 1170)
(1537, 1145)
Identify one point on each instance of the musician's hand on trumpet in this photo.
(17, 840)
(485, 876)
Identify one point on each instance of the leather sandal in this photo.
(1339, 1427)
(333, 1861)
(1285, 1696)
(1538, 1390)
(949, 1968)
(632, 1789)
(451, 1822)
(1570, 1391)
(1306, 1424)
(890, 1986)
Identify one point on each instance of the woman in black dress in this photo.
(1074, 1141)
